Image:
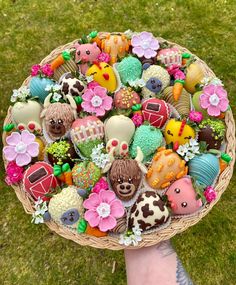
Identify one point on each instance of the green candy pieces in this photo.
(148, 138)
(129, 69)
(86, 148)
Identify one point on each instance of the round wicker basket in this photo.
(177, 225)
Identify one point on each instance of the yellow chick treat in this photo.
(104, 75)
(178, 133)
(166, 167)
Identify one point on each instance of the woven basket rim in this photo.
(177, 225)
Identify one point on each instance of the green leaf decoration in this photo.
(82, 226)
(8, 127)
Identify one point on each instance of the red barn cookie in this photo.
(39, 180)
(155, 111)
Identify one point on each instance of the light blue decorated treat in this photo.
(204, 168)
(37, 87)
(129, 69)
(148, 138)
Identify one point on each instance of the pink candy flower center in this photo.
(96, 101)
(214, 100)
(20, 147)
(103, 210)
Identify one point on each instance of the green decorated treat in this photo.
(212, 132)
(129, 69)
(148, 138)
(85, 175)
(197, 106)
(86, 133)
(86, 148)
(61, 152)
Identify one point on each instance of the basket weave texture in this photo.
(177, 225)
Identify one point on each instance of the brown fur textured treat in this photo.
(125, 176)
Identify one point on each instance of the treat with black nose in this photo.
(125, 177)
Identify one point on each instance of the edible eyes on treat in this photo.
(118, 137)
(169, 133)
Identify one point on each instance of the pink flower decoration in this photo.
(195, 116)
(100, 185)
(46, 70)
(104, 57)
(14, 173)
(176, 72)
(35, 69)
(21, 148)
(137, 119)
(96, 101)
(214, 99)
(210, 194)
(92, 85)
(103, 210)
(145, 45)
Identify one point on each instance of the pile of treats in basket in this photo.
(117, 135)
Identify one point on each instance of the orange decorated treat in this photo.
(166, 167)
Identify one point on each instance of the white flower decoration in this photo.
(40, 209)
(89, 78)
(182, 150)
(137, 83)
(56, 97)
(98, 157)
(22, 94)
(131, 237)
(211, 80)
(188, 150)
(189, 155)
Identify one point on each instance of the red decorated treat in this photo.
(125, 98)
(39, 180)
(155, 111)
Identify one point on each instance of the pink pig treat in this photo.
(85, 54)
(183, 197)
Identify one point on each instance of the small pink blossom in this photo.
(176, 72)
(100, 185)
(195, 116)
(96, 101)
(214, 99)
(137, 119)
(210, 194)
(103, 209)
(91, 85)
(46, 70)
(145, 45)
(104, 57)
(21, 148)
(14, 173)
(35, 69)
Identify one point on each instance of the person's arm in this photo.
(155, 265)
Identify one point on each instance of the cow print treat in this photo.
(148, 212)
(70, 85)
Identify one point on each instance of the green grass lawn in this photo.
(29, 30)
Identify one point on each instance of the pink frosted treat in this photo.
(85, 54)
(170, 56)
(182, 197)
